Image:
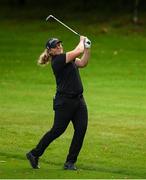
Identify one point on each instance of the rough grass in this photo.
(114, 88)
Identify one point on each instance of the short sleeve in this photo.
(58, 62)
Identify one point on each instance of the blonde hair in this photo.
(44, 58)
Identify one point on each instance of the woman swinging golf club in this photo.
(68, 104)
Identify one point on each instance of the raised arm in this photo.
(86, 54)
(79, 49)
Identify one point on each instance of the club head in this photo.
(49, 17)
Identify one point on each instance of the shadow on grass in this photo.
(82, 167)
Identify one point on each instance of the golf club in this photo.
(51, 16)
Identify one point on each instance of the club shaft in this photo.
(63, 24)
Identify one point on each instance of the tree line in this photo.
(85, 4)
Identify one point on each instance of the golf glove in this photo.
(87, 43)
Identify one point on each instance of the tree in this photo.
(135, 14)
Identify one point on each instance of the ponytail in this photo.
(44, 58)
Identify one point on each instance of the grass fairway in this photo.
(114, 88)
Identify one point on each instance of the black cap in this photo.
(51, 43)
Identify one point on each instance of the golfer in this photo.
(68, 103)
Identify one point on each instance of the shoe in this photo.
(70, 166)
(33, 160)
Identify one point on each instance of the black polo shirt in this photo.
(67, 75)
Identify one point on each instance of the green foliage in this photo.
(114, 83)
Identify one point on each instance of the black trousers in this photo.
(66, 109)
